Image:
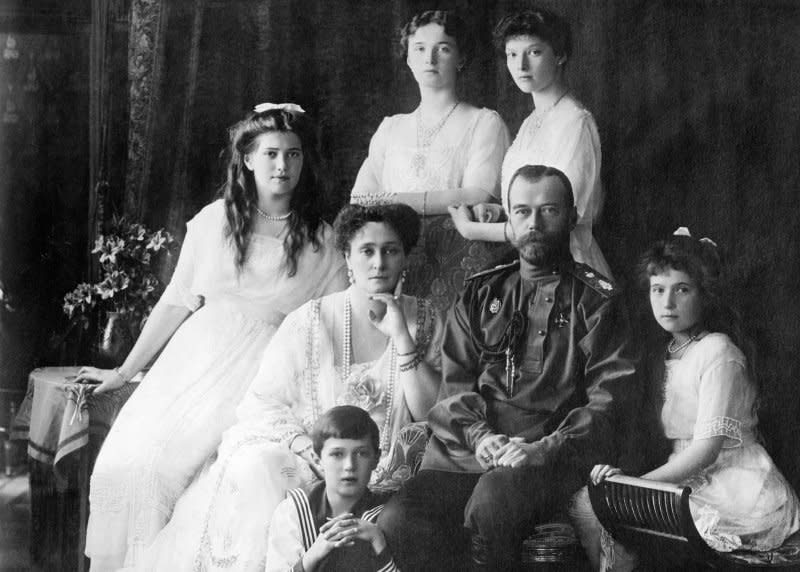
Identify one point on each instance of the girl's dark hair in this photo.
(701, 260)
(401, 218)
(345, 422)
(544, 24)
(453, 26)
(241, 197)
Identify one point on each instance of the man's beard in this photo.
(540, 249)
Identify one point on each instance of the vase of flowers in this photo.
(119, 303)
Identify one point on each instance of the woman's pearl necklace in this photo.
(267, 216)
(672, 350)
(347, 355)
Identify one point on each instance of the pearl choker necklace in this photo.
(267, 216)
(672, 350)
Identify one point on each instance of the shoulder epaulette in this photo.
(494, 270)
(596, 281)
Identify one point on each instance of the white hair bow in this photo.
(288, 107)
(683, 231)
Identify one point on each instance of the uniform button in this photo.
(541, 332)
(548, 299)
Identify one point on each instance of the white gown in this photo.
(741, 500)
(567, 139)
(222, 522)
(175, 418)
(463, 154)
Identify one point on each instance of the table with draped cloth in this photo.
(65, 426)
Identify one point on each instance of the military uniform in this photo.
(540, 354)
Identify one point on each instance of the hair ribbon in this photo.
(287, 107)
(683, 231)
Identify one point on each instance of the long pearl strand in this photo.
(347, 356)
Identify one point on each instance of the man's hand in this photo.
(517, 453)
(486, 451)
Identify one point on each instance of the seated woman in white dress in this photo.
(707, 398)
(248, 259)
(368, 346)
(445, 152)
(560, 132)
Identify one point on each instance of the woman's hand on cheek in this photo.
(393, 323)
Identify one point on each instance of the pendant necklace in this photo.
(347, 355)
(425, 136)
(538, 116)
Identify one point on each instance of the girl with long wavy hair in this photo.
(701, 387)
(248, 260)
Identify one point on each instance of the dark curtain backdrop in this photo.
(697, 104)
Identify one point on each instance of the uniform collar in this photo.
(529, 272)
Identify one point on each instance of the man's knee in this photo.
(489, 501)
(511, 497)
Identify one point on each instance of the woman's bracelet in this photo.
(294, 438)
(505, 231)
(373, 199)
(303, 450)
(406, 354)
(122, 377)
(413, 364)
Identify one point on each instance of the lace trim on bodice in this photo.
(442, 167)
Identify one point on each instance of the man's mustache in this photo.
(533, 237)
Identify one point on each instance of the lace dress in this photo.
(565, 137)
(741, 500)
(222, 521)
(463, 154)
(175, 418)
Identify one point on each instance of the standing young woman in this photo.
(560, 132)
(443, 153)
(248, 259)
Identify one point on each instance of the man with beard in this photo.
(538, 372)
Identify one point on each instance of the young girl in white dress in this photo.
(248, 259)
(444, 152)
(739, 497)
(560, 132)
